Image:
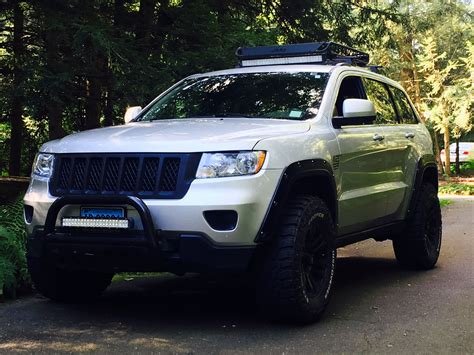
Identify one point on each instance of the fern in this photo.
(13, 270)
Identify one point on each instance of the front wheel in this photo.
(418, 247)
(298, 269)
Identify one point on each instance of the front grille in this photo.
(142, 175)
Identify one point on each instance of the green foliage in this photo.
(456, 189)
(443, 202)
(4, 151)
(429, 51)
(447, 101)
(13, 269)
(466, 169)
(79, 64)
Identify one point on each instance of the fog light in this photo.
(95, 222)
(28, 213)
(221, 220)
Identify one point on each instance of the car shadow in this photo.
(197, 312)
(225, 300)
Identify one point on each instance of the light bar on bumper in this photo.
(78, 222)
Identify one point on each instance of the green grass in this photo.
(443, 202)
(129, 276)
(455, 188)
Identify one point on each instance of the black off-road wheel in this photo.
(418, 247)
(69, 286)
(298, 267)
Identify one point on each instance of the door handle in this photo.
(378, 137)
(409, 135)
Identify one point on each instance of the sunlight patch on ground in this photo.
(31, 345)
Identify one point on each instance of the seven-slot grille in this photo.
(144, 175)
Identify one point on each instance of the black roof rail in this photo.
(375, 68)
(301, 53)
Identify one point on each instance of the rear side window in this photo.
(405, 111)
(377, 92)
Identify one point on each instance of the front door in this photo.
(362, 177)
(361, 171)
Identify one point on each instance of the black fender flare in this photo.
(426, 170)
(295, 172)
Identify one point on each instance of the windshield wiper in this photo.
(217, 115)
(224, 115)
(159, 119)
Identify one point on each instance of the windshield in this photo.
(292, 96)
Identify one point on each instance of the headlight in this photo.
(230, 164)
(43, 166)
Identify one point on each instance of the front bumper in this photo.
(248, 196)
(167, 235)
(145, 250)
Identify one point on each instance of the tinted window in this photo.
(293, 96)
(351, 88)
(405, 111)
(377, 93)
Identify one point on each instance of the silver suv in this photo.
(266, 168)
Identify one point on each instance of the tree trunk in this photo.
(95, 75)
(458, 169)
(16, 119)
(94, 91)
(54, 105)
(109, 107)
(434, 137)
(118, 21)
(55, 121)
(144, 24)
(447, 161)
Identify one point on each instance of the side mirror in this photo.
(357, 108)
(355, 112)
(131, 113)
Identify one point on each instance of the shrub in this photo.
(456, 189)
(13, 270)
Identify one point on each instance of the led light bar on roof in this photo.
(316, 52)
(79, 222)
(284, 60)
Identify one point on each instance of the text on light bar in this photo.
(95, 222)
(284, 60)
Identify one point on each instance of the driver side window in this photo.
(351, 88)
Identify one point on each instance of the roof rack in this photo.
(302, 53)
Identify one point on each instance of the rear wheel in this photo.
(298, 270)
(67, 285)
(419, 245)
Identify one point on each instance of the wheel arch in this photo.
(426, 172)
(314, 177)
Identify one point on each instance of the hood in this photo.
(176, 136)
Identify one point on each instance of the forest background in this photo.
(72, 65)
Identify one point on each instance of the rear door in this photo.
(360, 172)
(405, 141)
(400, 159)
